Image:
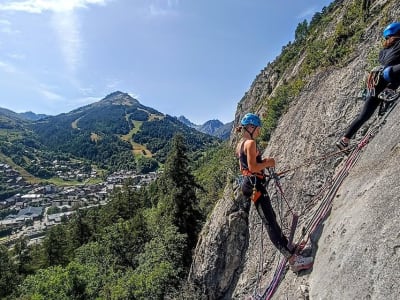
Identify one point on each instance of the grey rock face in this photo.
(357, 248)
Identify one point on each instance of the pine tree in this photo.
(56, 246)
(79, 230)
(8, 273)
(178, 187)
(22, 256)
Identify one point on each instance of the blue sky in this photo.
(195, 58)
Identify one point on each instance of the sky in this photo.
(195, 58)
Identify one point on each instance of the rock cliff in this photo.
(357, 248)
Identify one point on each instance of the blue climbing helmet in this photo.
(391, 29)
(251, 119)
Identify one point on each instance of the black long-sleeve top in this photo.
(390, 56)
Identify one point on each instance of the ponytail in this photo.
(238, 129)
(390, 41)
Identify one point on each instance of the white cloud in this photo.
(5, 22)
(39, 6)
(172, 3)
(163, 8)
(17, 56)
(66, 25)
(85, 90)
(64, 20)
(8, 68)
(49, 95)
(5, 27)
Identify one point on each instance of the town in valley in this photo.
(36, 207)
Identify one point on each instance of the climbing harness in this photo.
(388, 97)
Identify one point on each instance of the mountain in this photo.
(9, 119)
(115, 131)
(307, 97)
(224, 131)
(187, 122)
(212, 127)
(32, 116)
(20, 146)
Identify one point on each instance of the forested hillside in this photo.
(140, 243)
(138, 246)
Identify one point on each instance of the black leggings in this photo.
(371, 104)
(268, 217)
(267, 214)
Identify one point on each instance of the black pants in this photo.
(266, 213)
(370, 105)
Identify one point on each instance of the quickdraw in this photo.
(373, 79)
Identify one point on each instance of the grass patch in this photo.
(140, 150)
(153, 117)
(74, 124)
(137, 149)
(94, 137)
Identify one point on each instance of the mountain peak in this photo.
(119, 98)
(212, 127)
(186, 121)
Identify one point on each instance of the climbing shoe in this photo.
(303, 249)
(299, 262)
(342, 145)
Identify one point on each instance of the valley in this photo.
(31, 207)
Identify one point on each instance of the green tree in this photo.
(301, 31)
(56, 246)
(179, 202)
(160, 270)
(53, 210)
(76, 282)
(125, 240)
(97, 257)
(145, 165)
(23, 256)
(8, 273)
(213, 170)
(79, 230)
(124, 204)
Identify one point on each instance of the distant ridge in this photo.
(212, 127)
(28, 115)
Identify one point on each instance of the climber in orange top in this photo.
(252, 168)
